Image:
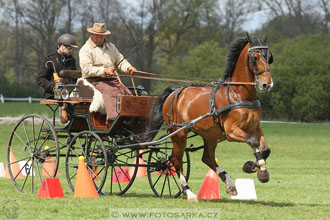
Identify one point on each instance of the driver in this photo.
(98, 59)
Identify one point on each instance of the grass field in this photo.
(298, 188)
(15, 109)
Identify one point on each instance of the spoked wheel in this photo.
(162, 175)
(33, 152)
(89, 145)
(123, 167)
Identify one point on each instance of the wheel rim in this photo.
(89, 145)
(162, 175)
(33, 152)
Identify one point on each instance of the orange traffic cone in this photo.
(84, 185)
(141, 172)
(48, 166)
(121, 175)
(209, 189)
(16, 171)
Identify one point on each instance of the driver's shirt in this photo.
(94, 59)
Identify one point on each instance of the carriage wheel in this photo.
(123, 167)
(33, 152)
(162, 175)
(89, 145)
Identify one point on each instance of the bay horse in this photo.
(232, 110)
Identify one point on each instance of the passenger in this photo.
(61, 60)
(98, 59)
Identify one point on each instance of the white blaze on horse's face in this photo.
(265, 82)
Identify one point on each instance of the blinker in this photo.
(263, 50)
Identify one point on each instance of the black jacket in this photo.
(45, 76)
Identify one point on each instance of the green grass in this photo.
(298, 188)
(16, 109)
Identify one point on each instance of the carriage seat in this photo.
(86, 90)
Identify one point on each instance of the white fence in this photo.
(28, 99)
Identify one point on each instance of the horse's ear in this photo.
(248, 37)
(264, 39)
(271, 58)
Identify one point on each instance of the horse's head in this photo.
(259, 59)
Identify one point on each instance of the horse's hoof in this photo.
(231, 190)
(192, 199)
(250, 167)
(263, 176)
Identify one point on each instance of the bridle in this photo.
(263, 50)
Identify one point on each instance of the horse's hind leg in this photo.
(179, 144)
(209, 159)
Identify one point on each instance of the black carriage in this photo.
(110, 150)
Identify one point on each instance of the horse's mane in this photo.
(235, 49)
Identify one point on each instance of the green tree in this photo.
(301, 75)
(204, 62)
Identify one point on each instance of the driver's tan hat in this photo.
(99, 29)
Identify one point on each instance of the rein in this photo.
(240, 83)
(180, 79)
(165, 79)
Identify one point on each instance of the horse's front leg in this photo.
(261, 156)
(265, 150)
(237, 134)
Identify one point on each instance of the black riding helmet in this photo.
(67, 40)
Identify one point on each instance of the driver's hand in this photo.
(110, 70)
(132, 70)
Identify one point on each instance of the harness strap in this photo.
(261, 72)
(213, 108)
(241, 104)
(234, 93)
(175, 97)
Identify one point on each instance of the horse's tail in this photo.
(156, 115)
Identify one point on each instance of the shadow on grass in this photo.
(252, 202)
(249, 202)
(226, 201)
(257, 203)
(145, 196)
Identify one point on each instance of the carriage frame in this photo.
(112, 151)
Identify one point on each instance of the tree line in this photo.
(186, 38)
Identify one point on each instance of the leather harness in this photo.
(213, 111)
